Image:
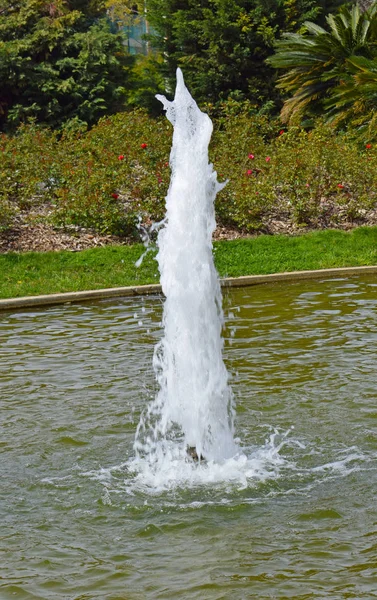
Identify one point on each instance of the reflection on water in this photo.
(73, 382)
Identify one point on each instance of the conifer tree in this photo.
(59, 62)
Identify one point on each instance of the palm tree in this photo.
(354, 100)
(317, 63)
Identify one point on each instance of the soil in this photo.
(30, 233)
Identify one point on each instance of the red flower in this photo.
(249, 172)
(251, 156)
(268, 158)
(144, 145)
(281, 131)
(116, 196)
(368, 146)
(121, 157)
(340, 186)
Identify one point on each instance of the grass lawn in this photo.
(36, 273)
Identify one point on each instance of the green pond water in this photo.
(76, 524)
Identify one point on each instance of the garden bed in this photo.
(34, 235)
(86, 190)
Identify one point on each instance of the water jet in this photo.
(194, 405)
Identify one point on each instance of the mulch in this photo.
(28, 235)
(44, 238)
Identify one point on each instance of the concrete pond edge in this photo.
(143, 290)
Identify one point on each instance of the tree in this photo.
(59, 63)
(222, 45)
(317, 61)
(124, 12)
(354, 101)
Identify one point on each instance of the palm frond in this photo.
(314, 28)
(334, 26)
(324, 67)
(355, 20)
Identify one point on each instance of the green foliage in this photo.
(27, 162)
(354, 102)
(222, 45)
(115, 172)
(312, 177)
(145, 82)
(102, 179)
(59, 63)
(65, 63)
(106, 178)
(321, 64)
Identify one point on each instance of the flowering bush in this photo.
(95, 186)
(27, 168)
(105, 178)
(292, 172)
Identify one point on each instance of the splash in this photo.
(194, 404)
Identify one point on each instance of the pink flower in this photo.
(121, 157)
(251, 156)
(340, 186)
(249, 172)
(268, 158)
(143, 145)
(307, 185)
(116, 196)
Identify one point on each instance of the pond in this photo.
(76, 523)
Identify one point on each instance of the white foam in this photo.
(173, 468)
(194, 404)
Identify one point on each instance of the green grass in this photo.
(317, 250)
(36, 273)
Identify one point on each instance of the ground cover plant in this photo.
(34, 273)
(118, 173)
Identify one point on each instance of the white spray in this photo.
(194, 404)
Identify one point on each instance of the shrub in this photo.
(113, 173)
(295, 172)
(26, 176)
(106, 178)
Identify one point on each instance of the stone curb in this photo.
(142, 290)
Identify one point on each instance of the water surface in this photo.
(75, 522)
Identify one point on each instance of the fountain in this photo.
(81, 521)
(194, 406)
